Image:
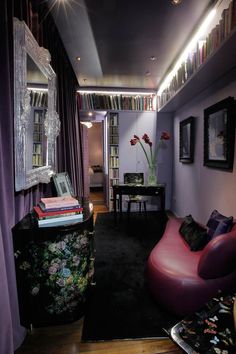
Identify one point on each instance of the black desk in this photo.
(132, 189)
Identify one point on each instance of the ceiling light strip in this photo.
(37, 89)
(127, 93)
(202, 30)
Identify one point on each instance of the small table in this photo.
(134, 189)
(51, 263)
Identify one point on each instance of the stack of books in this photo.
(58, 211)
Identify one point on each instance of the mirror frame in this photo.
(25, 44)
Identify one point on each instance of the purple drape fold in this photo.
(11, 333)
(13, 206)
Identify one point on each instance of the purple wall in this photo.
(197, 190)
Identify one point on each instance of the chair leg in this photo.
(128, 210)
(145, 209)
(140, 207)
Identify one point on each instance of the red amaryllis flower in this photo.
(146, 138)
(165, 136)
(133, 141)
(151, 158)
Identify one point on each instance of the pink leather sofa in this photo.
(183, 280)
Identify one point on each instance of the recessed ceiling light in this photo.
(78, 58)
(153, 58)
(90, 114)
(176, 2)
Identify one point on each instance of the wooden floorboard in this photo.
(66, 339)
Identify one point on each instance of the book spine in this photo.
(55, 216)
(60, 223)
(45, 209)
(42, 214)
(60, 219)
(59, 204)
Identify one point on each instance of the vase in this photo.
(152, 176)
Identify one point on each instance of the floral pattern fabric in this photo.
(57, 273)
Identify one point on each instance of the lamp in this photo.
(91, 172)
(87, 124)
(176, 2)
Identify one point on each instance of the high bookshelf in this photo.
(113, 149)
(210, 60)
(114, 102)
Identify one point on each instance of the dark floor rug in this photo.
(120, 305)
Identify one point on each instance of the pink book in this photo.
(58, 202)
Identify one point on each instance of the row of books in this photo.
(114, 130)
(37, 160)
(114, 161)
(114, 172)
(56, 211)
(114, 150)
(114, 121)
(203, 50)
(114, 182)
(38, 99)
(116, 102)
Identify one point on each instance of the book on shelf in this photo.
(60, 221)
(54, 214)
(58, 202)
(116, 102)
(201, 52)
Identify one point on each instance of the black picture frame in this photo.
(186, 140)
(134, 178)
(219, 134)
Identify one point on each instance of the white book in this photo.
(69, 219)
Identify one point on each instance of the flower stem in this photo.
(157, 149)
(144, 152)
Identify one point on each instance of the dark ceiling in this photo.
(125, 43)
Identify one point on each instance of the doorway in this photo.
(96, 163)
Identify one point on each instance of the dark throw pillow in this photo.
(194, 234)
(219, 224)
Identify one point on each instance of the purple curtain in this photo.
(13, 206)
(11, 333)
(70, 148)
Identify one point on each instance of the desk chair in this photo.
(135, 178)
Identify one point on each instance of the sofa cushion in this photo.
(219, 224)
(194, 234)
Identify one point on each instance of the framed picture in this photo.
(63, 184)
(133, 178)
(186, 145)
(219, 134)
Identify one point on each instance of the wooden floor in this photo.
(66, 339)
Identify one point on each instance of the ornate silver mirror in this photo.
(36, 123)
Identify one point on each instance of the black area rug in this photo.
(120, 305)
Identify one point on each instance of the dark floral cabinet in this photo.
(54, 269)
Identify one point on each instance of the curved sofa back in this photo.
(218, 258)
